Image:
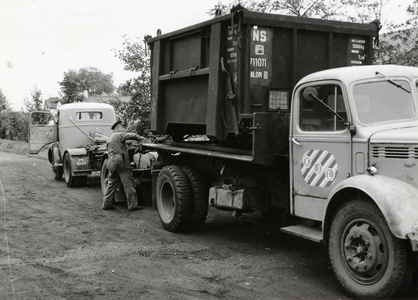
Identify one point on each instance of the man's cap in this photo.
(118, 122)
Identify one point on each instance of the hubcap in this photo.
(364, 250)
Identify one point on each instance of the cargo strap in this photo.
(230, 96)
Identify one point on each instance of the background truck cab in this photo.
(77, 138)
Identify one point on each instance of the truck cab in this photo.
(353, 163)
(352, 122)
(77, 138)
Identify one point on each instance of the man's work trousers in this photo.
(120, 175)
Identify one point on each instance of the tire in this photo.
(367, 259)
(174, 201)
(200, 196)
(104, 174)
(58, 172)
(70, 180)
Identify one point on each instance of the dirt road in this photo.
(56, 243)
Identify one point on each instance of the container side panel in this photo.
(340, 45)
(312, 52)
(282, 58)
(186, 51)
(185, 100)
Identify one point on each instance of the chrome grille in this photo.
(402, 152)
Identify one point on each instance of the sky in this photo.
(42, 39)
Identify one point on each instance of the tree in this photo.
(36, 103)
(398, 46)
(14, 126)
(343, 10)
(71, 92)
(88, 79)
(4, 104)
(136, 59)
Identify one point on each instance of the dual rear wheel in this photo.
(182, 198)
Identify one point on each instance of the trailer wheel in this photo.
(173, 198)
(199, 195)
(104, 175)
(368, 261)
(70, 180)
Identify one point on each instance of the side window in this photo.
(39, 118)
(314, 113)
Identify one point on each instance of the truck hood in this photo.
(396, 136)
(395, 154)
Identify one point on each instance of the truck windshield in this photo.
(383, 101)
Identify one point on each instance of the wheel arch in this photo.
(395, 199)
(54, 152)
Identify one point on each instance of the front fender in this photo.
(77, 151)
(397, 200)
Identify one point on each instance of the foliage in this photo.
(4, 104)
(70, 90)
(343, 10)
(36, 103)
(14, 125)
(88, 79)
(399, 48)
(137, 111)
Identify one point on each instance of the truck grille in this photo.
(402, 152)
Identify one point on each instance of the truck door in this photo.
(42, 130)
(320, 145)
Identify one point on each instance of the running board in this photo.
(306, 232)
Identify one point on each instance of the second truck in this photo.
(288, 116)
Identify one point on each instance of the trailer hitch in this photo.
(230, 96)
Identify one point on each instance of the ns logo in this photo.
(259, 35)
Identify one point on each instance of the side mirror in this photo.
(310, 93)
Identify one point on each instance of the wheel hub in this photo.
(361, 248)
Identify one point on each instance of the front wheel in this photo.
(367, 259)
(174, 201)
(70, 180)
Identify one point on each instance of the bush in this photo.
(14, 126)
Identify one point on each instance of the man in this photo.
(118, 165)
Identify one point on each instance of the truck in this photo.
(288, 116)
(77, 138)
